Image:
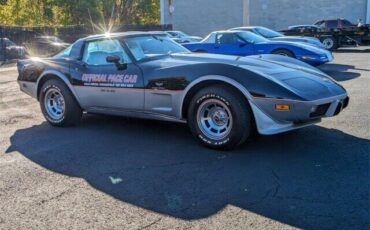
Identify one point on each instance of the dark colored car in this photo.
(9, 50)
(46, 46)
(145, 76)
(333, 33)
(335, 24)
(300, 30)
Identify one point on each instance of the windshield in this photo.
(151, 46)
(178, 34)
(251, 37)
(267, 33)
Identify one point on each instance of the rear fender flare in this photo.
(58, 75)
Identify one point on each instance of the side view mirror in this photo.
(116, 60)
(113, 59)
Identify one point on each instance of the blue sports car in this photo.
(243, 43)
(276, 36)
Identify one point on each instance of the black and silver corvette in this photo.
(220, 97)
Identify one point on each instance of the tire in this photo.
(58, 105)
(219, 108)
(330, 43)
(284, 52)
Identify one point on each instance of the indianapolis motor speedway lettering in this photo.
(110, 80)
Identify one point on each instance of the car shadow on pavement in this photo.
(341, 72)
(353, 50)
(312, 178)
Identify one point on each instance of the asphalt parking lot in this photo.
(119, 173)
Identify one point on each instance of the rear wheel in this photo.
(219, 118)
(284, 52)
(58, 105)
(330, 43)
(200, 51)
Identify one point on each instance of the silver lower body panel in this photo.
(270, 121)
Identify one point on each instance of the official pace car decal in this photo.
(110, 80)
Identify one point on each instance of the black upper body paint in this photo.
(264, 76)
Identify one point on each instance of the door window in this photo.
(227, 38)
(332, 24)
(96, 52)
(346, 23)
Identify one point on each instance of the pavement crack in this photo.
(176, 164)
(151, 224)
(60, 194)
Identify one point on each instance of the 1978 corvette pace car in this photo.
(220, 97)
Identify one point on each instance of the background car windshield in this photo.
(211, 38)
(64, 53)
(252, 38)
(150, 46)
(178, 34)
(267, 33)
(8, 42)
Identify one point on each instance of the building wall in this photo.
(279, 14)
(200, 17)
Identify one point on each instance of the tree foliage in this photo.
(71, 12)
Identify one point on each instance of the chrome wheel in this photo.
(328, 43)
(54, 104)
(214, 119)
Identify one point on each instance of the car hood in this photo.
(60, 44)
(196, 38)
(296, 38)
(302, 45)
(15, 47)
(287, 72)
(301, 39)
(268, 64)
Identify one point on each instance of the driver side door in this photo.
(231, 44)
(101, 85)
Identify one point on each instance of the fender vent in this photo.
(345, 102)
(320, 110)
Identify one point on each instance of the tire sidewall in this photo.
(44, 89)
(286, 53)
(202, 137)
(333, 41)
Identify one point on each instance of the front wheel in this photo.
(58, 105)
(219, 117)
(284, 52)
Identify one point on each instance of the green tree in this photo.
(67, 12)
